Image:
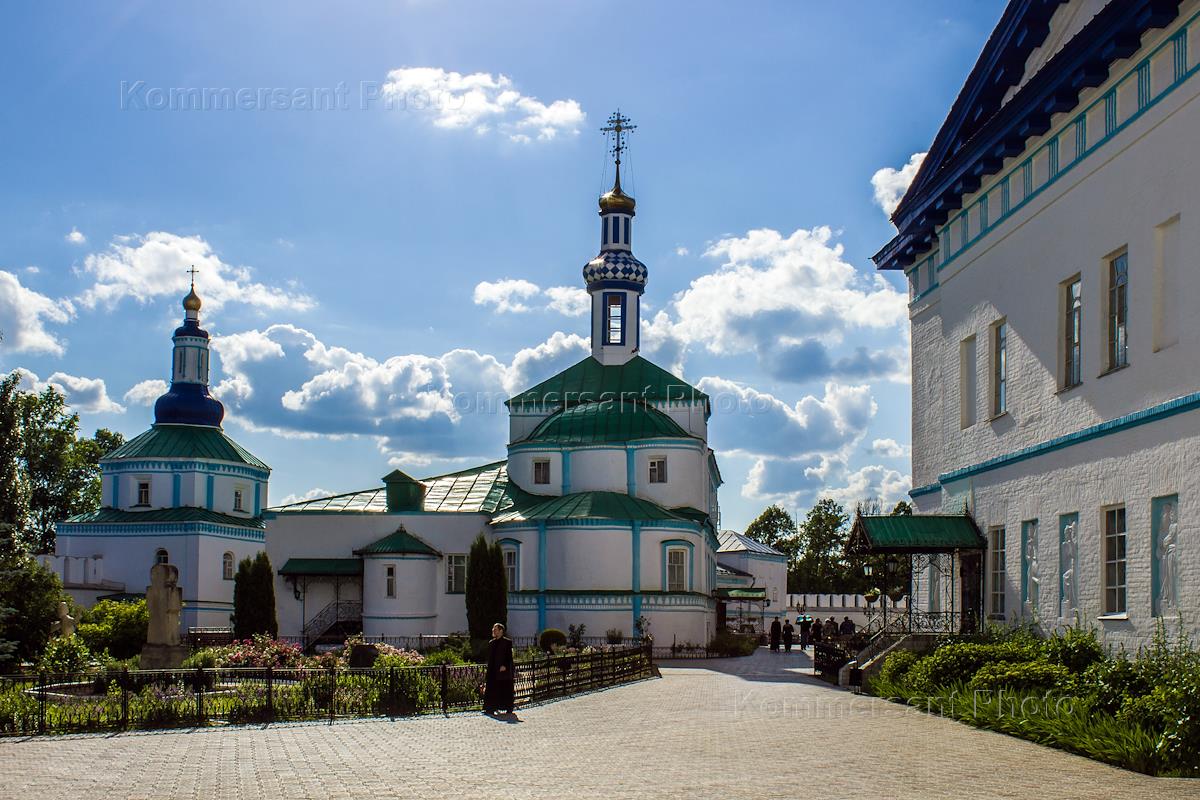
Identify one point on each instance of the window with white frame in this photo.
(1118, 311)
(999, 368)
(143, 492)
(996, 571)
(237, 500)
(658, 469)
(389, 580)
(541, 470)
(1072, 328)
(510, 568)
(456, 573)
(227, 567)
(161, 556)
(676, 569)
(1114, 560)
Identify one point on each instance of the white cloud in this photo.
(889, 448)
(151, 266)
(31, 270)
(507, 295)
(798, 483)
(569, 301)
(890, 184)
(283, 379)
(75, 237)
(681, 251)
(89, 395)
(145, 392)
(311, 494)
(24, 315)
(482, 102)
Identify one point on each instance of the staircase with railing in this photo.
(336, 613)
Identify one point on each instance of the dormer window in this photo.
(237, 500)
(143, 493)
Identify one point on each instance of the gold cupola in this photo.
(615, 201)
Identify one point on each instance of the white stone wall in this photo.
(768, 573)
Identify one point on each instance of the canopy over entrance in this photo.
(924, 533)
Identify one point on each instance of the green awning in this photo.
(325, 567)
(396, 543)
(921, 533)
(753, 593)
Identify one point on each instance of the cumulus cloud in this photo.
(681, 251)
(798, 483)
(519, 296)
(482, 102)
(311, 494)
(145, 392)
(75, 237)
(890, 184)
(155, 265)
(24, 314)
(889, 448)
(284, 379)
(89, 395)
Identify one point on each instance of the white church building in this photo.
(1050, 242)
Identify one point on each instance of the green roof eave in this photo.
(116, 516)
(589, 505)
(322, 567)
(918, 533)
(606, 421)
(185, 441)
(591, 381)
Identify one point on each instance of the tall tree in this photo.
(14, 489)
(487, 598)
(29, 598)
(821, 567)
(776, 528)
(254, 598)
(499, 586)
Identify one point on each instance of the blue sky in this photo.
(367, 267)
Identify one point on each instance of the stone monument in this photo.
(65, 626)
(164, 602)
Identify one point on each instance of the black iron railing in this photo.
(124, 700)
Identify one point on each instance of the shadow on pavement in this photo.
(763, 665)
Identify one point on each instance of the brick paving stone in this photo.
(755, 727)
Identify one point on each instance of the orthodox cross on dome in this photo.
(618, 125)
(193, 272)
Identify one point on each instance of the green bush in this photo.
(446, 655)
(65, 654)
(1075, 649)
(896, 666)
(727, 643)
(1031, 676)
(551, 638)
(953, 663)
(614, 635)
(1109, 683)
(118, 628)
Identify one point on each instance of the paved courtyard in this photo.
(756, 727)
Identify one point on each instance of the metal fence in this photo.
(144, 699)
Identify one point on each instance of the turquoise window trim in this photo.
(509, 543)
(208, 503)
(1157, 504)
(679, 544)
(1112, 129)
(177, 490)
(1063, 521)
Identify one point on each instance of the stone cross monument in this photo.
(164, 602)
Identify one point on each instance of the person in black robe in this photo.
(498, 690)
(788, 633)
(775, 631)
(805, 626)
(816, 633)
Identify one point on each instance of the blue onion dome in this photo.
(188, 404)
(615, 265)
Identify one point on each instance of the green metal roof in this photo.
(749, 593)
(184, 441)
(479, 490)
(588, 505)
(183, 514)
(590, 381)
(606, 421)
(332, 567)
(922, 533)
(401, 541)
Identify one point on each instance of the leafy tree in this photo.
(487, 592)
(820, 566)
(29, 598)
(902, 509)
(254, 598)
(14, 490)
(116, 627)
(776, 528)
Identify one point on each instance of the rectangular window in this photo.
(996, 571)
(390, 580)
(1114, 560)
(616, 230)
(999, 368)
(510, 569)
(541, 471)
(456, 573)
(676, 570)
(1072, 333)
(626, 237)
(237, 500)
(1118, 310)
(966, 382)
(143, 493)
(658, 470)
(614, 319)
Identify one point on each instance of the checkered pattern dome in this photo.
(614, 265)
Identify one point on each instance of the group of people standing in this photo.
(812, 630)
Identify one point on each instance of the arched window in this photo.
(227, 566)
(161, 556)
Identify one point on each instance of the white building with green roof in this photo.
(606, 505)
(182, 492)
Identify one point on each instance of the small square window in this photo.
(456, 573)
(541, 471)
(658, 470)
